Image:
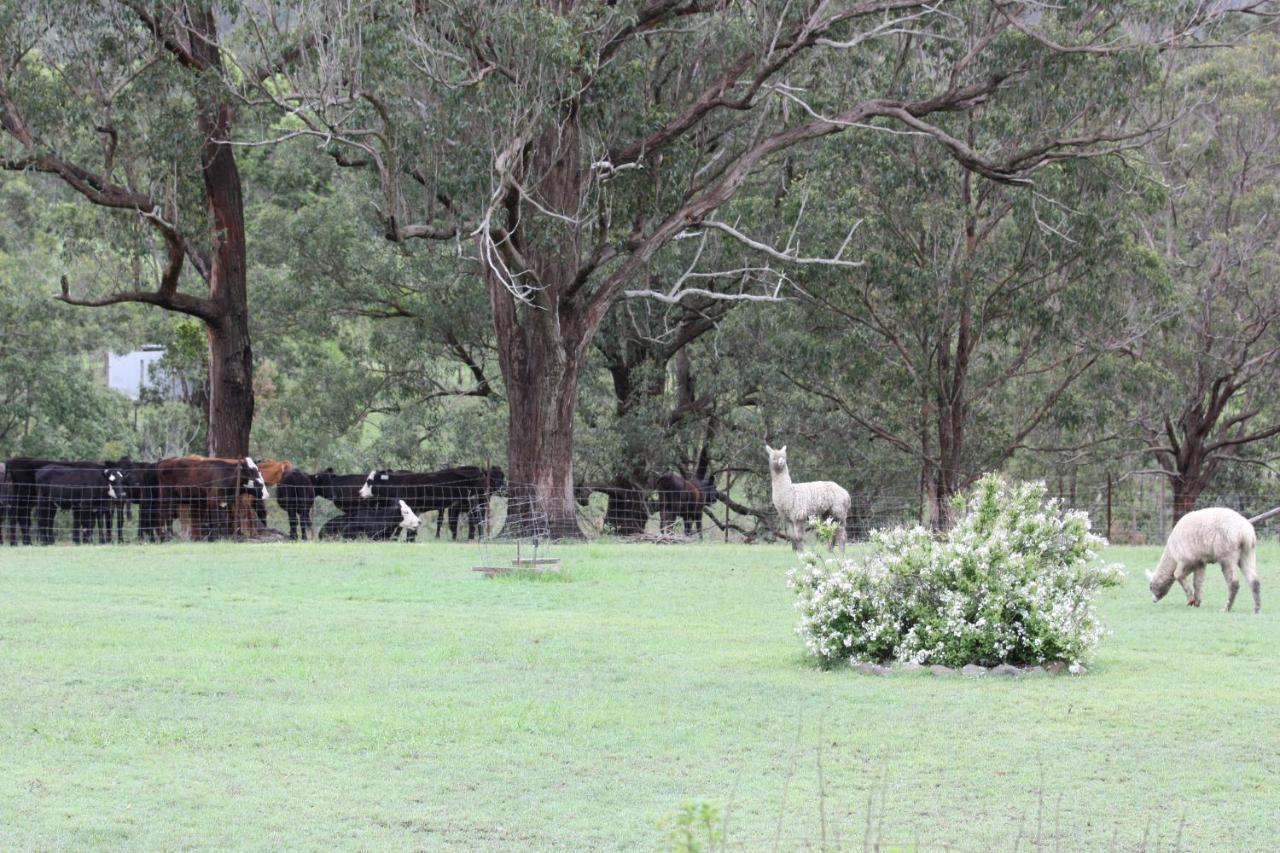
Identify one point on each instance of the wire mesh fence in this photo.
(478, 505)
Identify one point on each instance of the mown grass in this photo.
(385, 697)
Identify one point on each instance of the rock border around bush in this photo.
(973, 670)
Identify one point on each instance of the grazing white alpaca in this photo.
(1214, 535)
(798, 502)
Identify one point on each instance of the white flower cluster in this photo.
(1012, 582)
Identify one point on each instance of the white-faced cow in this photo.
(209, 489)
(376, 521)
(88, 493)
(436, 491)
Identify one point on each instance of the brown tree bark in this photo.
(231, 398)
(540, 372)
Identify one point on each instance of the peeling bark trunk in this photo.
(231, 398)
(542, 389)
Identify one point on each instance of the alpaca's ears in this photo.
(769, 449)
(782, 449)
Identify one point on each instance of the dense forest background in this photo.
(1071, 274)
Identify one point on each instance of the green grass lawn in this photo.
(386, 697)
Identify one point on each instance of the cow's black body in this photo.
(88, 493)
(372, 520)
(682, 499)
(487, 483)
(145, 492)
(21, 472)
(6, 492)
(342, 490)
(296, 493)
(467, 487)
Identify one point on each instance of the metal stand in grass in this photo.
(526, 528)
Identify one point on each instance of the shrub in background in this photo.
(1013, 581)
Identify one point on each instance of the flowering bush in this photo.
(1012, 582)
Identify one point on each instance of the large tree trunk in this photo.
(230, 352)
(230, 386)
(542, 388)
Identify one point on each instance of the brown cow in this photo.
(272, 470)
(210, 490)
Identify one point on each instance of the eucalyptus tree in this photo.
(979, 305)
(561, 149)
(1214, 370)
(122, 103)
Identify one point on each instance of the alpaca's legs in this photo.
(1199, 584)
(1233, 583)
(795, 532)
(1248, 565)
(1180, 574)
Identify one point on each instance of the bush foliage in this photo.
(1013, 581)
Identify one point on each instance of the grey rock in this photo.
(939, 669)
(973, 669)
(1056, 667)
(912, 666)
(1006, 669)
(1033, 670)
(872, 669)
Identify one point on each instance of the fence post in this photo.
(1108, 504)
(728, 484)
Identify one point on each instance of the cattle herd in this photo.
(206, 498)
(210, 498)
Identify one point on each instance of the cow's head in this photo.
(497, 481)
(251, 479)
(323, 481)
(408, 520)
(375, 477)
(117, 483)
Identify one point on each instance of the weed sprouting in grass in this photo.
(696, 827)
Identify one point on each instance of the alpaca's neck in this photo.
(782, 488)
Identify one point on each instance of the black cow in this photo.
(113, 518)
(684, 500)
(6, 491)
(430, 492)
(489, 482)
(87, 492)
(627, 508)
(377, 521)
(296, 493)
(21, 472)
(343, 490)
(145, 492)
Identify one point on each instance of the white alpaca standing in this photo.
(798, 502)
(1214, 535)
